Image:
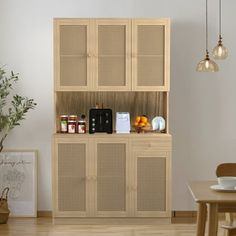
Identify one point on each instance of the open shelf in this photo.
(150, 104)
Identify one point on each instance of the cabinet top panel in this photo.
(102, 18)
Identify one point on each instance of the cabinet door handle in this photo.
(89, 55)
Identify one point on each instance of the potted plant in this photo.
(13, 110)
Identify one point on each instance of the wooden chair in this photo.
(231, 229)
(227, 169)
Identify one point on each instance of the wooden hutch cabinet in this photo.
(123, 64)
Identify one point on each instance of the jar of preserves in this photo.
(64, 124)
(72, 124)
(82, 125)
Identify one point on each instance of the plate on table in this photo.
(219, 188)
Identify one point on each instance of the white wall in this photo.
(202, 106)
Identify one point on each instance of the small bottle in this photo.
(72, 124)
(64, 124)
(82, 125)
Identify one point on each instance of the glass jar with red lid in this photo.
(72, 120)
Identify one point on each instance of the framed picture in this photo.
(18, 171)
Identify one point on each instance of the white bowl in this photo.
(227, 182)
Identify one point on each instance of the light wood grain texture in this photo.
(201, 219)
(60, 82)
(226, 169)
(94, 59)
(202, 194)
(109, 154)
(136, 56)
(230, 230)
(44, 226)
(150, 172)
(106, 45)
(229, 226)
(213, 219)
(109, 79)
(157, 148)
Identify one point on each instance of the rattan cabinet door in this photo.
(151, 184)
(113, 54)
(150, 55)
(71, 185)
(73, 57)
(111, 196)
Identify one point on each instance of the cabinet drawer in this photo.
(151, 144)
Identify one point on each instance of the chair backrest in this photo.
(226, 169)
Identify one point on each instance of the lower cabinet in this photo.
(71, 185)
(151, 187)
(110, 177)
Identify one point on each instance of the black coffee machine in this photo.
(100, 120)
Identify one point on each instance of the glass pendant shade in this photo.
(207, 65)
(220, 52)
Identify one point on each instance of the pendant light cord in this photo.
(220, 18)
(207, 26)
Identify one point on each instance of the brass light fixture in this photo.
(207, 65)
(220, 51)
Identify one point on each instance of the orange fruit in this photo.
(136, 123)
(137, 119)
(142, 124)
(144, 119)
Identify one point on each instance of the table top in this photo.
(201, 192)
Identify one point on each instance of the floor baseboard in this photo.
(44, 214)
(175, 214)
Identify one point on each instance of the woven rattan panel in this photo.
(111, 55)
(111, 71)
(151, 184)
(73, 71)
(73, 55)
(73, 39)
(150, 55)
(71, 177)
(111, 179)
(150, 71)
(111, 39)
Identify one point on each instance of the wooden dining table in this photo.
(212, 201)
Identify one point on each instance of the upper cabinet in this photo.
(73, 58)
(150, 54)
(111, 54)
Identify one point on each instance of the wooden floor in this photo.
(44, 227)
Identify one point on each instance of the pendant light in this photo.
(220, 52)
(207, 65)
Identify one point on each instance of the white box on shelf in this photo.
(122, 122)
